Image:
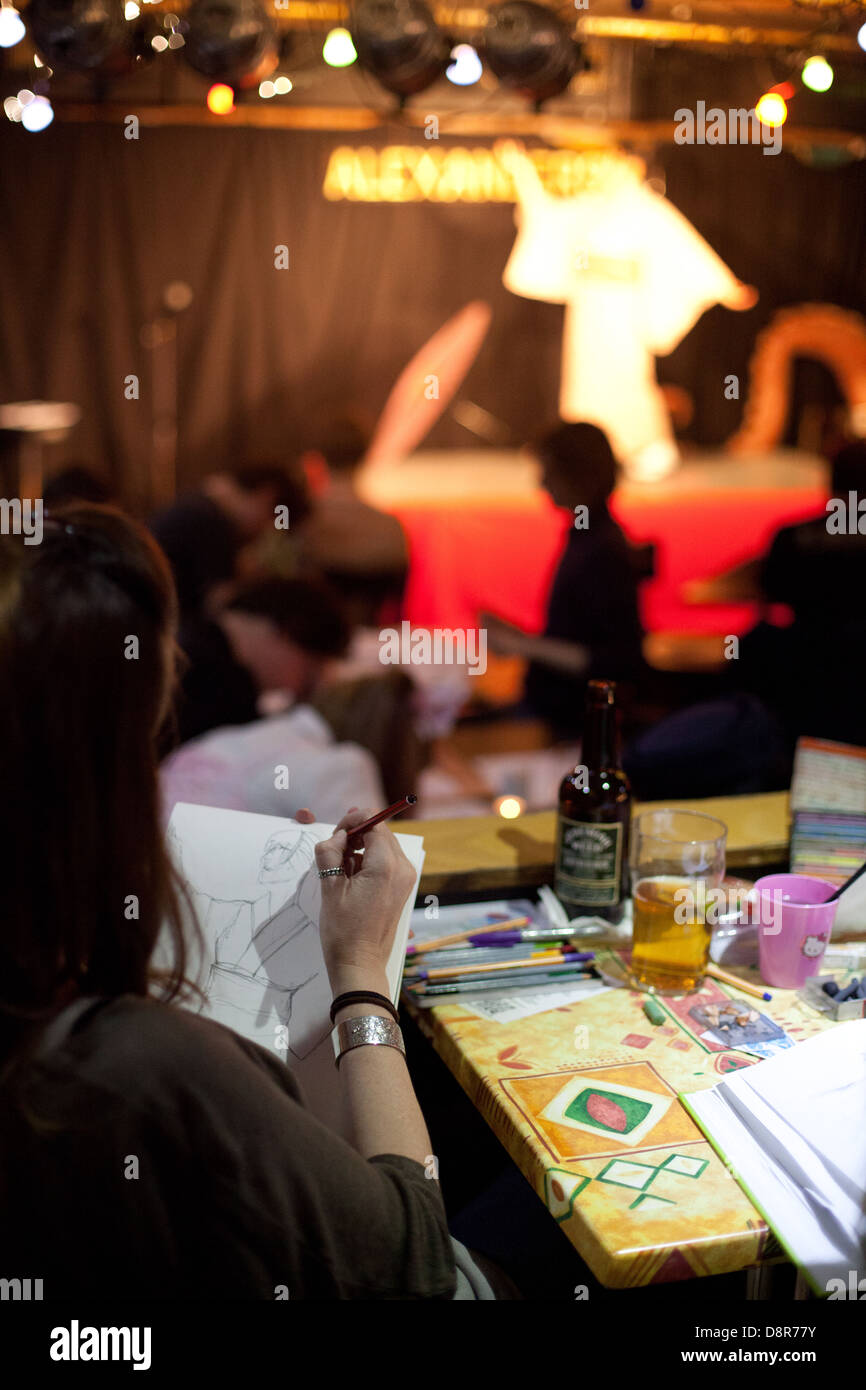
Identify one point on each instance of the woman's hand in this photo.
(361, 906)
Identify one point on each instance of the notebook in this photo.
(828, 804)
(256, 894)
(791, 1130)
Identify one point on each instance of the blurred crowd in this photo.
(284, 576)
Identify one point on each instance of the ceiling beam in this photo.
(555, 129)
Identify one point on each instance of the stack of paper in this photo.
(792, 1132)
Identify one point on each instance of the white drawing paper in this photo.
(256, 894)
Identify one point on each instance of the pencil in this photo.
(718, 974)
(394, 810)
(540, 959)
(441, 941)
(547, 977)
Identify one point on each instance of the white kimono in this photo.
(634, 276)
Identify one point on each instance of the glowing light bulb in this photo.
(37, 114)
(159, 42)
(338, 49)
(772, 109)
(861, 36)
(13, 108)
(131, 10)
(817, 74)
(509, 807)
(282, 85)
(220, 99)
(267, 89)
(12, 29)
(466, 66)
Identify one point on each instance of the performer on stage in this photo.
(634, 276)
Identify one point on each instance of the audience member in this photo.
(592, 628)
(239, 1189)
(284, 633)
(203, 535)
(818, 569)
(361, 551)
(75, 483)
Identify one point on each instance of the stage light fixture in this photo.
(80, 35)
(529, 48)
(37, 114)
(12, 29)
(232, 41)
(772, 109)
(338, 50)
(400, 44)
(220, 99)
(465, 66)
(817, 74)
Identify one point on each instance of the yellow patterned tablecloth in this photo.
(584, 1099)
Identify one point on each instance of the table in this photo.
(654, 1206)
(487, 854)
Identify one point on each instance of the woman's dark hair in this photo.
(86, 625)
(305, 612)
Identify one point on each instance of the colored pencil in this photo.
(532, 963)
(718, 974)
(393, 810)
(471, 986)
(412, 950)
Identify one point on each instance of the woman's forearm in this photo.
(383, 1113)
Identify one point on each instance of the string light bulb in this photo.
(772, 109)
(220, 99)
(817, 74)
(338, 49)
(465, 66)
(12, 29)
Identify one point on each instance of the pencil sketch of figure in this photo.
(267, 962)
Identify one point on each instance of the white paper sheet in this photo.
(256, 894)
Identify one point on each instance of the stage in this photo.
(483, 536)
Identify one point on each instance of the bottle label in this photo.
(588, 863)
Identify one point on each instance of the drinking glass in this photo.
(677, 861)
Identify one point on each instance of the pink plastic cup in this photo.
(794, 925)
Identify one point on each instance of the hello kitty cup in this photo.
(794, 925)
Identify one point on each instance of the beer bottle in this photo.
(591, 867)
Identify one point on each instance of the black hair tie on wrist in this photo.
(363, 996)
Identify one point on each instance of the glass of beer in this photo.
(677, 858)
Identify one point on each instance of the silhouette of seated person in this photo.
(205, 536)
(73, 485)
(342, 741)
(359, 550)
(592, 628)
(809, 671)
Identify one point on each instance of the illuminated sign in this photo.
(437, 174)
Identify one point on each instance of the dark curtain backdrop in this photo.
(93, 227)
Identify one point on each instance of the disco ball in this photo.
(233, 41)
(79, 35)
(400, 44)
(528, 48)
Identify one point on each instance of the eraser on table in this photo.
(654, 1012)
